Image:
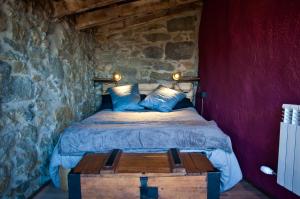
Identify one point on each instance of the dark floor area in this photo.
(242, 190)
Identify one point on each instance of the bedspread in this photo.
(133, 131)
(146, 132)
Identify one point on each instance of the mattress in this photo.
(147, 131)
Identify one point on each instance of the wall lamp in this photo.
(116, 77)
(177, 76)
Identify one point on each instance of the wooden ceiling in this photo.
(109, 17)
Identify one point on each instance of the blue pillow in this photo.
(125, 98)
(162, 99)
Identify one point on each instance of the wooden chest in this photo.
(144, 175)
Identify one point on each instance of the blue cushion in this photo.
(125, 98)
(162, 99)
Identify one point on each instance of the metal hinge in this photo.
(147, 192)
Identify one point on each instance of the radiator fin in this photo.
(288, 174)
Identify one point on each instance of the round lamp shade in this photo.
(176, 76)
(117, 76)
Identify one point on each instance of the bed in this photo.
(146, 131)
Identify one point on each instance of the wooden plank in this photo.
(91, 163)
(201, 162)
(188, 163)
(282, 153)
(68, 7)
(144, 163)
(112, 161)
(175, 161)
(110, 187)
(60, 8)
(145, 19)
(124, 11)
(80, 165)
(180, 187)
(94, 164)
(190, 79)
(104, 80)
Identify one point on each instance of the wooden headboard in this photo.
(145, 88)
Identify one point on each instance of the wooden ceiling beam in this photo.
(69, 7)
(124, 11)
(142, 20)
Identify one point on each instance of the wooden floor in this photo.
(243, 190)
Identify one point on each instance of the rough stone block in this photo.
(12, 44)
(3, 21)
(5, 177)
(19, 67)
(160, 76)
(5, 71)
(163, 66)
(181, 24)
(188, 64)
(26, 159)
(21, 88)
(128, 69)
(157, 37)
(179, 50)
(56, 68)
(30, 133)
(153, 52)
(63, 116)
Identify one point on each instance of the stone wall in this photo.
(46, 71)
(153, 52)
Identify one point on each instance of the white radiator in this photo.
(288, 174)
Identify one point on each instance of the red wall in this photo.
(249, 65)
